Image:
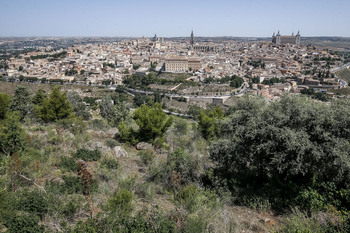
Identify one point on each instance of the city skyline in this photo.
(173, 19)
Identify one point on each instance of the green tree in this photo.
(78, 105)
(107, 108)
(21, 102)
(157, 97)
(208, 123)
(280, 149)
(114, 114)
(236, 81)
(55, 107)
(5, 101)
(127, 133)
(39, 97)
(12, 136)
(152, 121)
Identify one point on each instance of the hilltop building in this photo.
(179, 64)
(155, 38)
(281, 40)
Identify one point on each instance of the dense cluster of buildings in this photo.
(95, 63)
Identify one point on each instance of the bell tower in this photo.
(192, 39)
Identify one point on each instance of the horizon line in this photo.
(200, 36)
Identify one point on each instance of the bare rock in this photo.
(112, 132)
(98, 145)
(144, 146)
(119, 151)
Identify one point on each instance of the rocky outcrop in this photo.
(144, 146)
(118, 151)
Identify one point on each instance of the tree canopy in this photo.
(21, 102)
(55, 107)
(280, 149)
(153, 122)
(5, 101)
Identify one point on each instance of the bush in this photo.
(301, 222)
(110, 163)
(280, 149)
(70, 208)
(5, 101)
(33, 202)
(71, 185)
(127, 134)
(99, 124)
(146, 190)
(111, 143)
(74, 124)
(178, 161)
(88, 155)
(194, 224)
(146, 156)
(24, 224)
(68, 164)
(181, 126)
(121, 202)
(195, 198)
(310, 199)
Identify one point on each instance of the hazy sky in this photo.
(174, 18)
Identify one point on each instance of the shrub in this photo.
(146, 190)
(110, 163)
(178, 161)
(5, 101)
(99, 124)
(24, 224)
(146, 156)
(121, 202)
(72, 184)
(78, 106)
(310, 199)
(70, 208)
(68, 164)
(195, 198)
(280, 149)
(127, 133)
(88, 155)
(181, 126)
(111, 143)
(300, 222)
(194, 224)
(33, 202)
(74, 124)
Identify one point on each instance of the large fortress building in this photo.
(281, 40)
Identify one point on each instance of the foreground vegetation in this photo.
(258, 167)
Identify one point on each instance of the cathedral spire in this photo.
(192, 39)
